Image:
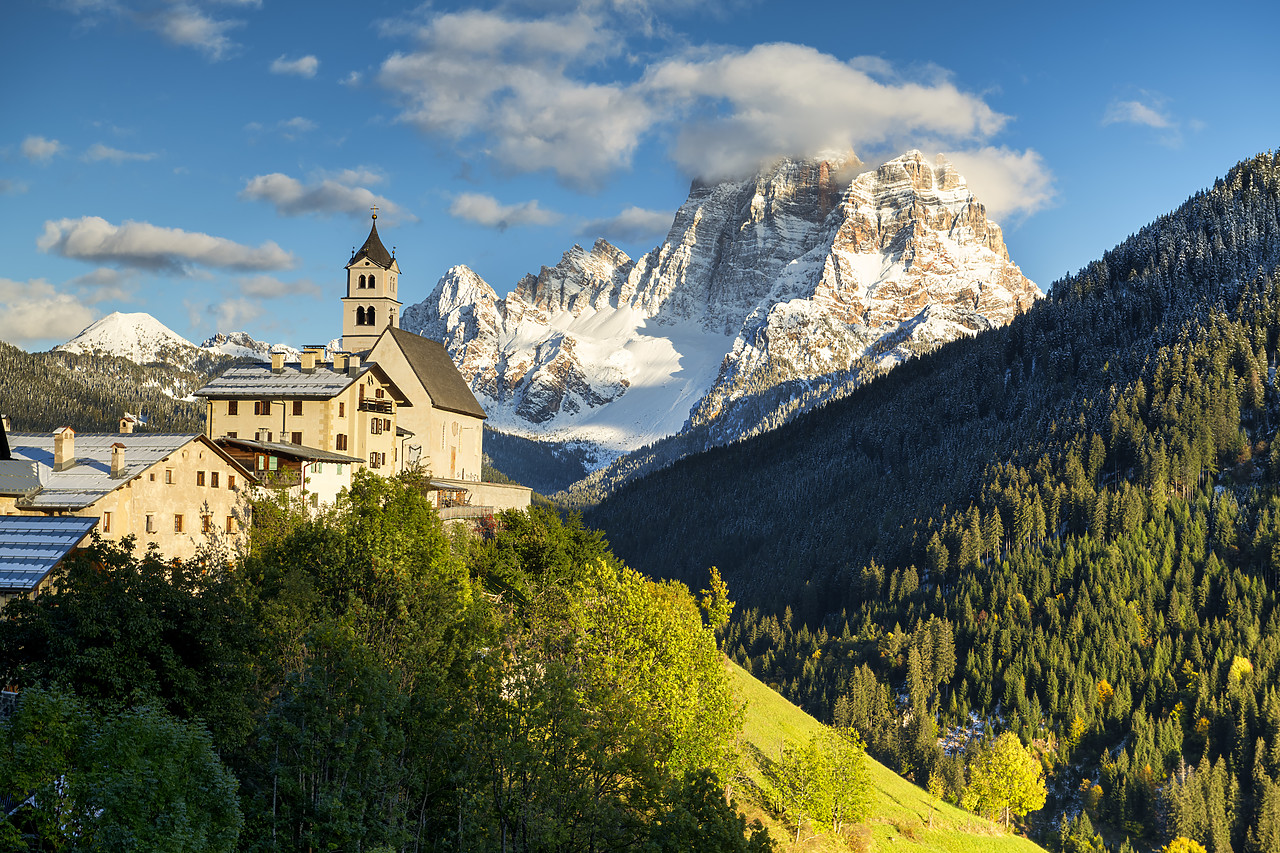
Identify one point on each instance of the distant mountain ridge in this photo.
(143, 339)
(809, 269)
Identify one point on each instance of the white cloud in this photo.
(37, 149)
(145, 246)
(223, 314)
(352, 79)
(488, 211)
(289, 128)
(632, 225)
(186, 25)
(270, 287)
(328, 193)
(103, 284)
(11, 187)
(1008, 183)
(36, 311)
(507, 82)
(1136, 112)
(527, 93)
(98, 152)
(303, 66)
(750, 107)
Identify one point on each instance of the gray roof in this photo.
(30, 546)
(20, 476)
(437, 373)
(89, 479)
(259, 381)
(373, 249)
(280, 448)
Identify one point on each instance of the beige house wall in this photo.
(319, 424)
(451, 443)
(164, 491)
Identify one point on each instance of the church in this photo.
(391, 399)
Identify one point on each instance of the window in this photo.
(199, 478)
(378, 393)
(375, 426)
(168, 476)
(272, 463)
(386, 424)
(340, 442)
(231, 482)
(361, 282)
(177, 523)
(151, 523)
(262, 407)
(342, 410)
(231, 524)
(106, 522)
(231, 435)
(206, 523)
(377, 459)
(360, 316)
(318, 469)
(337, 469)
(369, 316)
(262, 462)
(233, 407)
(152, 476)
(297, 407)
(295, 437)
(371, 285)
(213, 479)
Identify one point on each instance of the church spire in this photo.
(373, 248)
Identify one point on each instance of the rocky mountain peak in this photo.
(808, 269)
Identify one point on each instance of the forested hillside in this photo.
(1068, 527)
(46, 390)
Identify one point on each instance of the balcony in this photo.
(448, 512)
(382, 407)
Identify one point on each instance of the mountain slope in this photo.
(897, 808)
(143, 339)
(1081, 510)
(806, 270)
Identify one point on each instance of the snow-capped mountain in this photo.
(244, 345)
(138, 337)
(143, 339)
(808, 269)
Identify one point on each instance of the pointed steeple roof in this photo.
(373, 249)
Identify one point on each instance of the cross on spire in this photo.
(375, 211)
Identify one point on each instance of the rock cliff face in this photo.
(809, 269)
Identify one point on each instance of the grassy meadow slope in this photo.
(900, 811)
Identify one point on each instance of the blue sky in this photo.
(212, 162)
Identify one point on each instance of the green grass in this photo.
(903, 816)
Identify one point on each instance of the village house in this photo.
(345, 406)
(306, 474)
(179, 491)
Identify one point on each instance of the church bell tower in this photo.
(370, 305)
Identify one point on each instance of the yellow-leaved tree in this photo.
(1005, 779)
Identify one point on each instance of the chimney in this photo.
(277, 362)
(64, 449)
(126, 425)
(339, 361)
(353, 365)
(117, 461)
(309, 361)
